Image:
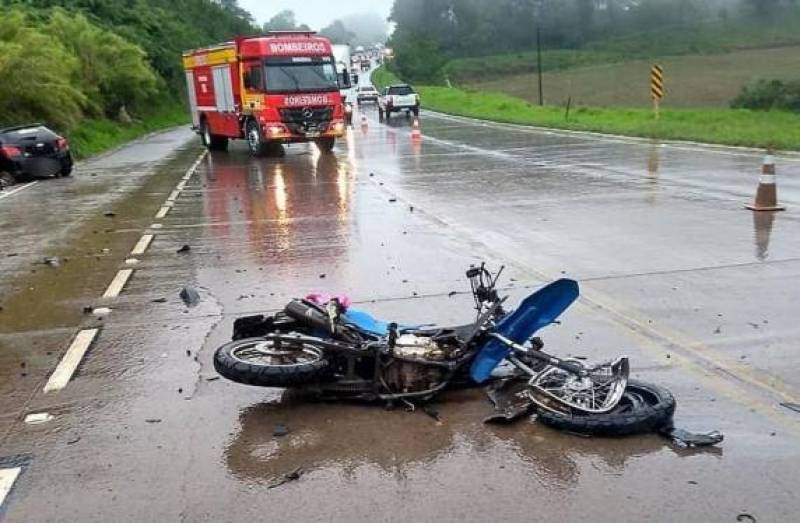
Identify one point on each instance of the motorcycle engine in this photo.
(411, 371)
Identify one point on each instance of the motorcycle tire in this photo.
(644, 408)
(229, 363)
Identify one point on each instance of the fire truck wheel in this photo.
(258, 147)
(212, 141)
(326, 144)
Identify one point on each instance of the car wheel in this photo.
(66, 167)
(6, 180)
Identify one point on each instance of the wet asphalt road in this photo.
(701, 294)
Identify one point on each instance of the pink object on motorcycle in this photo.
(322, 299)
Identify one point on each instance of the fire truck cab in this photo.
(278, 88)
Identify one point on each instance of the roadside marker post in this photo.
(657, 88)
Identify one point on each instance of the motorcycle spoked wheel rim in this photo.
(286, 354)
(562, 398)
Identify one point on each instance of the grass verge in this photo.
(777, 129)
(92, 137)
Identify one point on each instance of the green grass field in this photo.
(691, 81)
(95, 136)
(777, 129)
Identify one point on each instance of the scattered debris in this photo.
(153, 420)
(291, 476)
(212, 378)
(185, 248)
(109, 214)
(88, 310)
(392, 200)
(744, 516)
(180, 390)
(73, 439)
(791, 406)
(411, 208)
(433, 413)
(322, 276)
(280, 431)
(190, 296)
(188, 353)
(718, 330)
(52, 261)
(684, 438)
(451, 294)
(159, 300)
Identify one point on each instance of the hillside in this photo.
(691, 81)
(102, 71)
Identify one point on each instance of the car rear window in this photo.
(402, 90)
(367, 89)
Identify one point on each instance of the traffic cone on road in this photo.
(416, 134)
(767, 193)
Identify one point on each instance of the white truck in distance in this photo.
(397, 98)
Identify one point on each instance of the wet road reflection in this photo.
(268, 201)
(344, 437)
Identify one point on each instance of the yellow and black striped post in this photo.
(656, 87)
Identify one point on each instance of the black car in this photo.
(32, 151)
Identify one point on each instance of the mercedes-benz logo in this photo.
(307, 112)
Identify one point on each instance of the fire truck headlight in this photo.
(348, 108)
(338, 127)
(275, 129)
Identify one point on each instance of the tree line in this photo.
(428, 33)
(62, 61)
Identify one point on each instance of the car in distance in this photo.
(397, 98)
(366, 93)
(32, 151)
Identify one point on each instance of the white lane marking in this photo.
(38, 418)
(156, 226)
(180, 186)
(131, 261)
(12, 192)
(7, 479)
(101, 311)
(162, 212)
(116, 285)
(142, 244)
(172, 196)
(66, 367)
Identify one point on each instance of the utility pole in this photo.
(539, 63)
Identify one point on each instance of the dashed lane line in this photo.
(142, 245)
(173, 195)
(119, 281)
(66, 367)
(7, 479)
(162, 212)
(12, 192)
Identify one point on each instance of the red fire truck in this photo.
(273, 89)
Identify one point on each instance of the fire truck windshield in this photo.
(300, 74)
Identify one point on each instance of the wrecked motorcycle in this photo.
(335, 351)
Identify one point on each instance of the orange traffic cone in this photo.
(416, 134)
(767, 193)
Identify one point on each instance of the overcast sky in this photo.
(316, 13)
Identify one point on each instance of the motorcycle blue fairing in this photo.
(366, 322)
(536, 311)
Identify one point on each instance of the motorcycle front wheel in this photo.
(643, 408)
(271, 361)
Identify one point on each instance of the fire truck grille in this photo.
(307, 119)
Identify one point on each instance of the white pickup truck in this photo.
(397, 98)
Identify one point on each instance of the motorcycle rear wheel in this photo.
(267, 362)
(643, 408)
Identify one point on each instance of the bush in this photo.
(769, 94)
